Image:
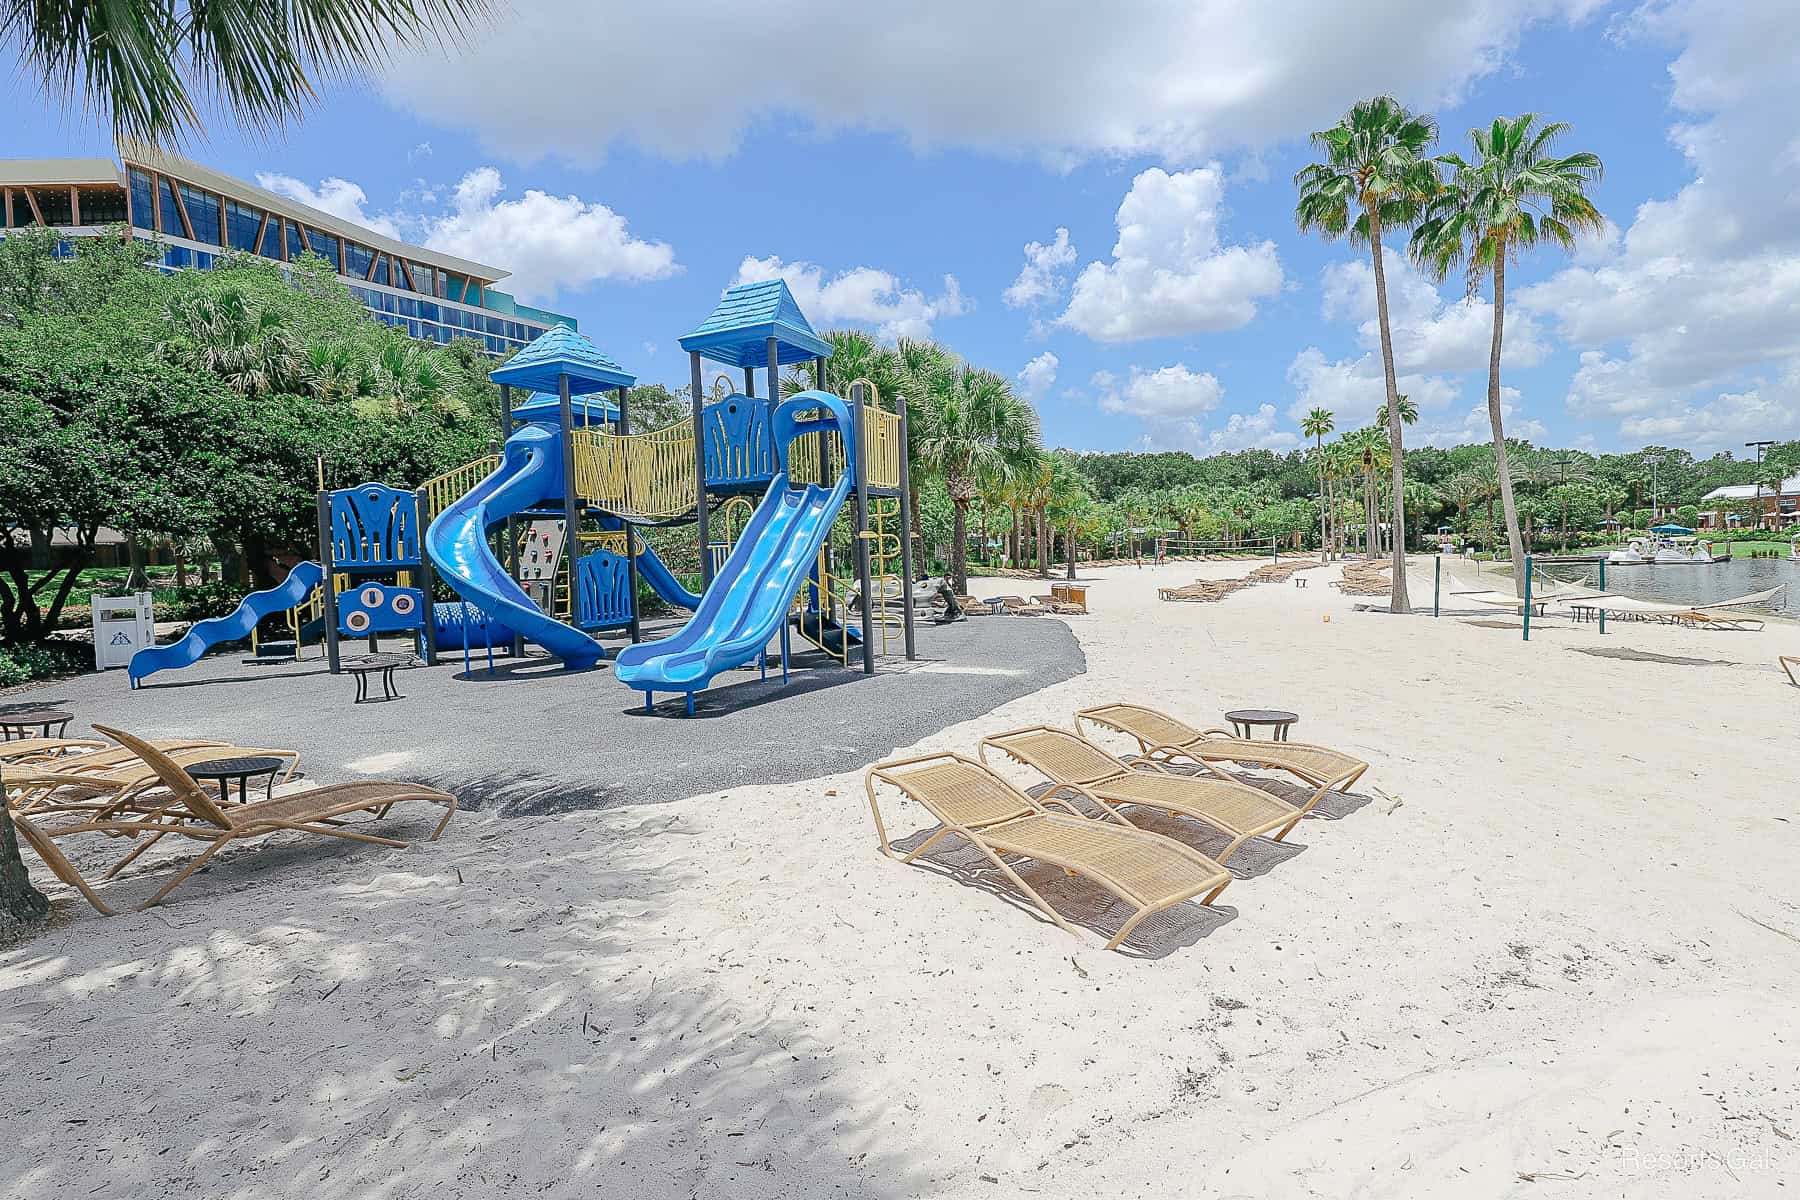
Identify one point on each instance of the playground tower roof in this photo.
(540, 366)
(748, 315)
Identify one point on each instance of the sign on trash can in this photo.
(123, 625)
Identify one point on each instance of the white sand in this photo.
(1564, 965)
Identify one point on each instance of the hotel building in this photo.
(197, 213)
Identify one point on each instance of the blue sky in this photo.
(628, 172)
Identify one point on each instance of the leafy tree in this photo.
(1317, 424)
(144, 67)
(1374, 177)
(1514, 195)
(974, 427)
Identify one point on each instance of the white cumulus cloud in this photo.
(1036, 376)
(1041, 279)
(1058, 78)
(1170, 273)
(863, 295)
(550, 243)
(1173, 404)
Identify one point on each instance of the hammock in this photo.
(1630, 604)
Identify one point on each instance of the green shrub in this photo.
(201, 602)
(22, 664)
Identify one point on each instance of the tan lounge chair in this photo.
(37, 749)
(191, 813)
(1162, 738)
(1788, 663)
(1143, 869)
(1707, 619)
(1074, 764)
(106, 782)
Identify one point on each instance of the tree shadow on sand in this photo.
(490, 1015)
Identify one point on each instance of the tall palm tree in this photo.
(1555, 470)
(1514, 195)
(1774, 477)
(974, 428)
(1374, 178)
(1317, 424)
(229, 335)
(143, 66)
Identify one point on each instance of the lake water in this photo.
(1696, 583)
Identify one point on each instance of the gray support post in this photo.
(330, 594)
(1526, 623)
(1437, 582)
(772, 351)
(696, 385)
(631, 563)
(509, 553)
(1603, 590)
(862, 532)
(750, 381)
(571, 509)
(906, 521)
(824, 459)
(427, 586)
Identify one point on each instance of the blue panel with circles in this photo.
(380, 608)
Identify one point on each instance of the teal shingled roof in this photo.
(748, 315)
(557, 352)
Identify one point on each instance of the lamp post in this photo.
(1759, 505)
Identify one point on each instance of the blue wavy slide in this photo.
(530, 472)
(748, 599)
(206, 634)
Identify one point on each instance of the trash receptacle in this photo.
(123, 625)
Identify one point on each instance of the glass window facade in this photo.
(296, 241)
(325, 245)
(171, 215)
(357, 259)
(102, 205)
(21, 211)
(143, 199)
(381, 269)
(203, 211)
(242, 223)
(55, 204)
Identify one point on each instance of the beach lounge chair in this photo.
(1074, 764)
(1788, 663)
(1162, 738)
(37, 749)
(190, 813)
(1143, 869)
(105, 782)
(1698, 618)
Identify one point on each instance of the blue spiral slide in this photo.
(748, 599)
(206, 634)
(530, 472)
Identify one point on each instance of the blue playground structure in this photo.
(544, 541)
(747, 602)
(290, 593)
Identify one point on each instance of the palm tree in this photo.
(1375, 177)
(144, 66)
(1556, 469)
(1317, 424)
(1773, 476)
(1409, 412)
(1067, 496)
(227, 334)
(974, 428)
(1512, 197)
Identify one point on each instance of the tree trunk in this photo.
(22, 907)
(959, 545)
(180, 564)
(1012, 543)
(1046, 548)
(984, 533)
(1070, 549)
(1514, 544)
(1398, 600)
(1324, 538)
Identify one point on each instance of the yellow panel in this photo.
(441, 491)
(647, 475)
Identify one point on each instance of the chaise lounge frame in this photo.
(969, 800)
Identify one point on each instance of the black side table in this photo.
(1245, 720)
(224, 770)
(19, 724)
(367, 665)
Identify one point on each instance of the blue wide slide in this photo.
(748, 599)
(530, 472)
(206, 634)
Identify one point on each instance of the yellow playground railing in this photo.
(648, 476)
(881, 451)
(441, 491)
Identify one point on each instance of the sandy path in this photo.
(1569, 954)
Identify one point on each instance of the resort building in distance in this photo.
(198, 213)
